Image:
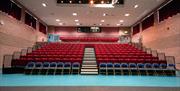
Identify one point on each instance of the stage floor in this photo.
(88, 80)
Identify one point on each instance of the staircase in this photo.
(89, 65)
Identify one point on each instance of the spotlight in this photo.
(91, 2)
(102, 2)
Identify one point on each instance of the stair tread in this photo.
(89, 65)
(89, 61)
(89, 72)
(89, 69)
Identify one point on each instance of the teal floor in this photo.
(85, 80)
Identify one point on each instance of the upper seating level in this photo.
(89, 39)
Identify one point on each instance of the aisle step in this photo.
(89, 65)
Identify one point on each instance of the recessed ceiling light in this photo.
(77, 23)
(60, 23)
(74, 14)
(102, 20)
(102, 2)
(126, 14)
(135, 6)
(125, 32)
(44, 5)
(70, 1)
(121, 20)
(100, 24)
(57, 20)
(76, 20)
(117, 24)
(104, 14)
(91, 2)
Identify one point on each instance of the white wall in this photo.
(15, 35)
(164, 37)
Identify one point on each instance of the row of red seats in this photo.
(59, 50)
(53, 56)
(123, 53)
(57, 53)
(67, 53)
(111, 53)
(120, 51)
(88, 39)
(124, 56)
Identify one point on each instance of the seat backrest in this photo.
(163, 66)
(30, 64)
(140, 65)
(132, 65)
(171, 66)
(60, 64)
(67, 64)
(102, 65)
(53, 64)
(76, 64)
(148, 65)
(117, 65)
(38, 64)
(155, 65)
(109, 65)
(46, 64)
(124, 65)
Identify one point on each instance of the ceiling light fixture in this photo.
(74, 14)
(57, 20)
(77, 23)
(118, 24)
(100, 24)
(136, 6)
(127, 14)
(91, 2)
(102, 20)
(44, 5)
(102, 2)
(125, 32)
(76, 20)
(121, 20)
(104, 14)
(60, 23)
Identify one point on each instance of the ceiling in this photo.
(90, 16)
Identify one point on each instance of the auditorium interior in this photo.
(90, 45)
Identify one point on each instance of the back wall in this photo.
(72, 32)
